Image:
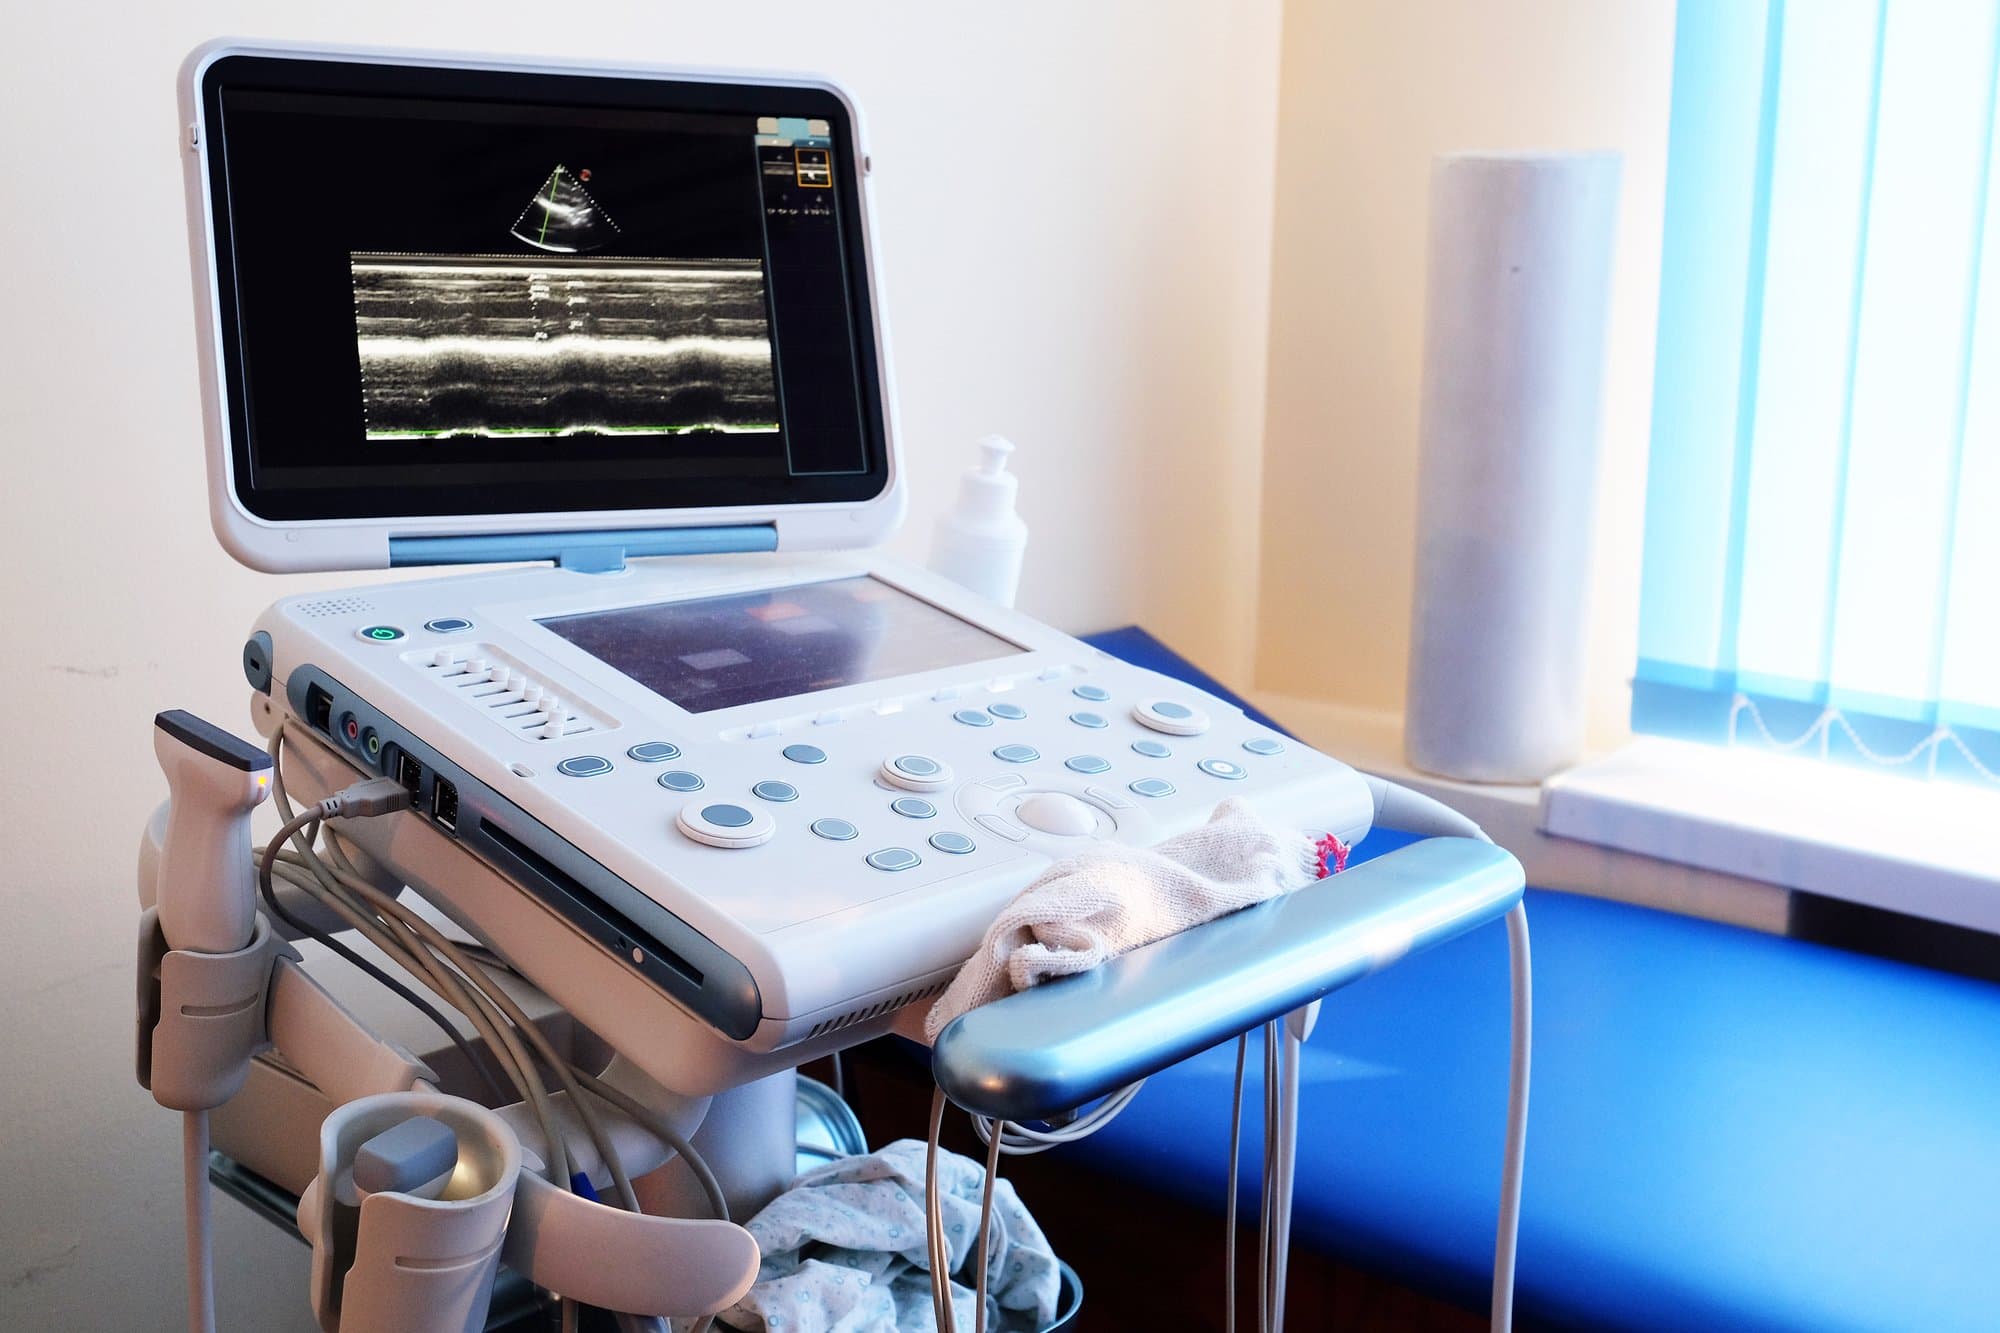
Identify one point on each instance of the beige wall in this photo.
(1372, 90)
(1074, 209)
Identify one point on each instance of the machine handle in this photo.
(1046, 1050)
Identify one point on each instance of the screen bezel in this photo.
(572, 503)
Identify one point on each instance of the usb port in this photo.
(319, 709)
(411, 774)
(444, 804)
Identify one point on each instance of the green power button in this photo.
(382, 633)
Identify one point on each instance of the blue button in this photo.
(804, 754)
(1012, 712)
(681, 780)
(836, 830)
(1264, 745)
(1097, 694)
(1168, 708)
(1092, 720)
(1153, 787)
(1151, 749)
(727, 816)
(584, 766)
(448, 625)
(1086, 763)
(913, 807)
(775, 791)
(894, 858)
(972, 717)
(1018, 754)
(1221, 768)
(955, 843)
(917, 765)
(654, 752)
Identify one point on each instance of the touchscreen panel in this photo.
(472, 291)
(778, 643)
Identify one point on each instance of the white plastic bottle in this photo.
(980, 539)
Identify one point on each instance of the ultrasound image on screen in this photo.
(780, 643)
(464, 346)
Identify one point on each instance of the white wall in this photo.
(1372, 91)
(1074, 223)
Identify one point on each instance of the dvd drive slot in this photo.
(566, 883)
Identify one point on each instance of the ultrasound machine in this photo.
(727, 786)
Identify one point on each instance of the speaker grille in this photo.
(332, 606)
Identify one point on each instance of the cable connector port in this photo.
(444, 804)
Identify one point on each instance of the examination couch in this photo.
(1727, 1129)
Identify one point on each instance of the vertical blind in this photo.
(1822, 553)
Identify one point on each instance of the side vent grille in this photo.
(333, 606)
(849, 1019)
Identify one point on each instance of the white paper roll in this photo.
(1520, 264)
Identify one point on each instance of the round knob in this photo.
(1053, 812)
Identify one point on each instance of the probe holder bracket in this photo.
(202, 1016)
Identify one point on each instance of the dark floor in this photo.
(1148, 1261)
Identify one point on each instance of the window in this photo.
(1822, 564)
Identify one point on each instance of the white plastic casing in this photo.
(832, 943)
(363, 543)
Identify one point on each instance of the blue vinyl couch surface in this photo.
(1727, 1129)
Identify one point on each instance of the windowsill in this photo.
(1925, 849)
(1513, 815)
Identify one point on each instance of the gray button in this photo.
(804, 754)
(1018, 754)
(1221, 768)
(1092, 720)
(972, 717)
(584, 766)
(1264, 745)
(894, 858)
(1110, 800)
(1168, 708)
(1004, 782)
(995, 824)
(1153, 787)
(917, 765)
(681, 780)
(654, 752)
(913, 807)
(728, 816)
(448, 625)
(1012, 712)
(1152, 749)
(955, 843)
(1097, 694)
(1086, 763)
(773, 790)
(835, 830)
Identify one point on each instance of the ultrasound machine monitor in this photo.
(731, 809)
(448, 303)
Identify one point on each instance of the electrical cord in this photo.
(1400, 807)
(448, 968)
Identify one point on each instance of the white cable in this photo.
(1399, 807)
(199, 1223)
(1521, 986)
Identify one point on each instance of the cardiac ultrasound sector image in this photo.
(486, 346)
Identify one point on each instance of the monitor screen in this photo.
(778, 643)
(465, 291)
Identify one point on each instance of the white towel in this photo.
(845, 1250)
(1093, 907)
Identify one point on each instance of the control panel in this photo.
(790, 851)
